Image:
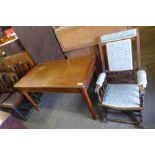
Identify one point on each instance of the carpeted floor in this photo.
(63, 111)
(149, 112)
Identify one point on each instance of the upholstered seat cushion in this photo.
(122, 96)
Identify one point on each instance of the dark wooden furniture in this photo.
(64, 76)
(9, 100)
(40, 42)
(17, 58)
(122, 76)
(19, 63)
(16, 66)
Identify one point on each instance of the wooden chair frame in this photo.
(7, 81)
(101, 90)
(19, 63)
(17, 66)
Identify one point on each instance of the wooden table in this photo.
(65, 76)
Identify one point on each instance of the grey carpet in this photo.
(149, 111)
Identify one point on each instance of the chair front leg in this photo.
(141, 119)
(142, 92)
(105, 110)
(99, 92)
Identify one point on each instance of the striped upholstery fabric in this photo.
(118, 36)
(122, 95)
(119, 55)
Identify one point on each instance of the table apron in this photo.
(55, 90)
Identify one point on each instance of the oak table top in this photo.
(70, 73)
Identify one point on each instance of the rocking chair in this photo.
(121, 84)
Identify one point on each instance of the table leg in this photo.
(88, 101)
(30, 99)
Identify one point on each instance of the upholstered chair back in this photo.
(119, 50)
(119, 55)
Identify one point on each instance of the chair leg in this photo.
(104, 114)
(36, 96)
(100, 112)
(12, 110)
(19, 114)
(141, 120)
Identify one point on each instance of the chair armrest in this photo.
(101, 79)
(99, 84)
(142, 78)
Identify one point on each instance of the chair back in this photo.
(119, 47)
(119, 55)
(19, 63)
(7, 81)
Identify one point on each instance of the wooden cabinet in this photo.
(76, 37)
